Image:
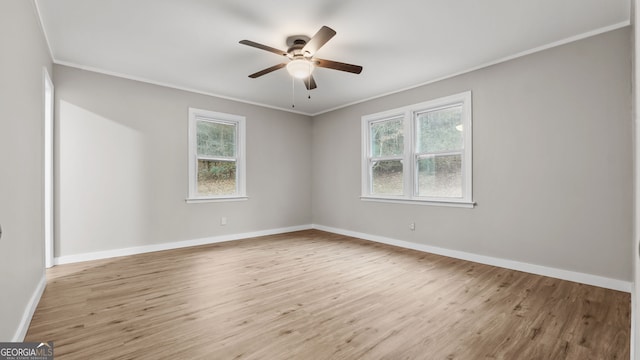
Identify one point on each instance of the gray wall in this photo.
(122, 173)
(552, 175)
(23, 54)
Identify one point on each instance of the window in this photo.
(216, 156)
(419, 153)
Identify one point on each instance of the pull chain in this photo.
(293, 92)
(309, 82)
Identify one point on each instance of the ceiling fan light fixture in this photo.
(300, 68)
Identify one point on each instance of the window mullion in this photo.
(407, 166)
(385, 158)
(439, 153)
(216, 158)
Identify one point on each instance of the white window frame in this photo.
(196, 115)
(410, 155)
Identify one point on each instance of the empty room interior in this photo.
(324, 179)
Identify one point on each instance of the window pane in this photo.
(440, 176)
(216, 139)
(387, 138)
(387, 177)
(216, 177)
(440, 130)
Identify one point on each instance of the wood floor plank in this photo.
(315, 295)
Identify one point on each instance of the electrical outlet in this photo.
(223, 221)
(412, 226)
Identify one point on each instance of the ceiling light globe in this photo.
(300, 68)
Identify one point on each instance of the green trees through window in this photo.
(387, 138)
(216, 139)
(440, 130)
(387, 147)
(216, 149)
(439, 152)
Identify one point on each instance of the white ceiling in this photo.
(193, 44)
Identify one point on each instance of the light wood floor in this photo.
(314, 295)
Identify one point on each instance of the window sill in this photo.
(460, 204)
(215, 199)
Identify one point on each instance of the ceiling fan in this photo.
(301, 57)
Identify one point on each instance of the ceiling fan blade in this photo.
(267, 70)
(263, 47)
(319, 39)
(310, 83)
(329, 64)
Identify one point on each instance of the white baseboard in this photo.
(21, 332)
(68, 259)
(578, 277)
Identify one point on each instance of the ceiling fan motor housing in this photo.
(296, 44)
